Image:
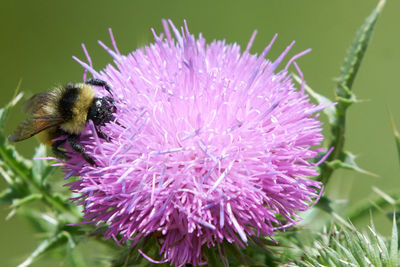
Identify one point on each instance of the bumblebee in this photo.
(65, 111)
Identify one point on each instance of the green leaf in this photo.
(25, 177)
(394, 250)
(7, 196)
(356, 53)
(348, 246)
(330, 111)
(384, 195)
(58, 240)
(346, 252)
(212, 258)
(9, 157)
(324, 204)
(41, 169)
(355, 249)
(396, 134)
(5, 111)
(380, 245)
(12, 160)
(348, 161)
(76, 258)
(26, 200)
(345, 97)
(233, 250)
(17, 188)
(41, 222)
(380, 202)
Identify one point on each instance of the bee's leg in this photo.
(101, 134)
(56, 151)
(109, 99)
(73, 142)
(98, 82)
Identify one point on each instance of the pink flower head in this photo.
(209, 144)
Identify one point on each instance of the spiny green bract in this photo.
(349, 247)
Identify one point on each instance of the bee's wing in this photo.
(33, 126)
(36, 102)
(40, 120)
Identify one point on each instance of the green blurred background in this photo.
(38, 39)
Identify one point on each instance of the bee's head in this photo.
(101, 111)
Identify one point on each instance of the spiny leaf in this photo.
(354, 248)
(76, 258)
(8, 175)
(348, 161)
(344, 95)
(330, 111)
(23, 176)
(58, 240)
(348, 254)
(41, 169)
(7, 196)
(356, 52)
(26, 200)
(394, 250)
(10, 158)
(213, 259)
(41, 222)
(5, 111)
(381, 246)
(396, 134)
(17, 188)
(384, 195)
(324, 204)
(233, 250)
(350, 247)
(380, 201)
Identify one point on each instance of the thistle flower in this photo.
(209, 144)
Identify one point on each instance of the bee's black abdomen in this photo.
(67, 101)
